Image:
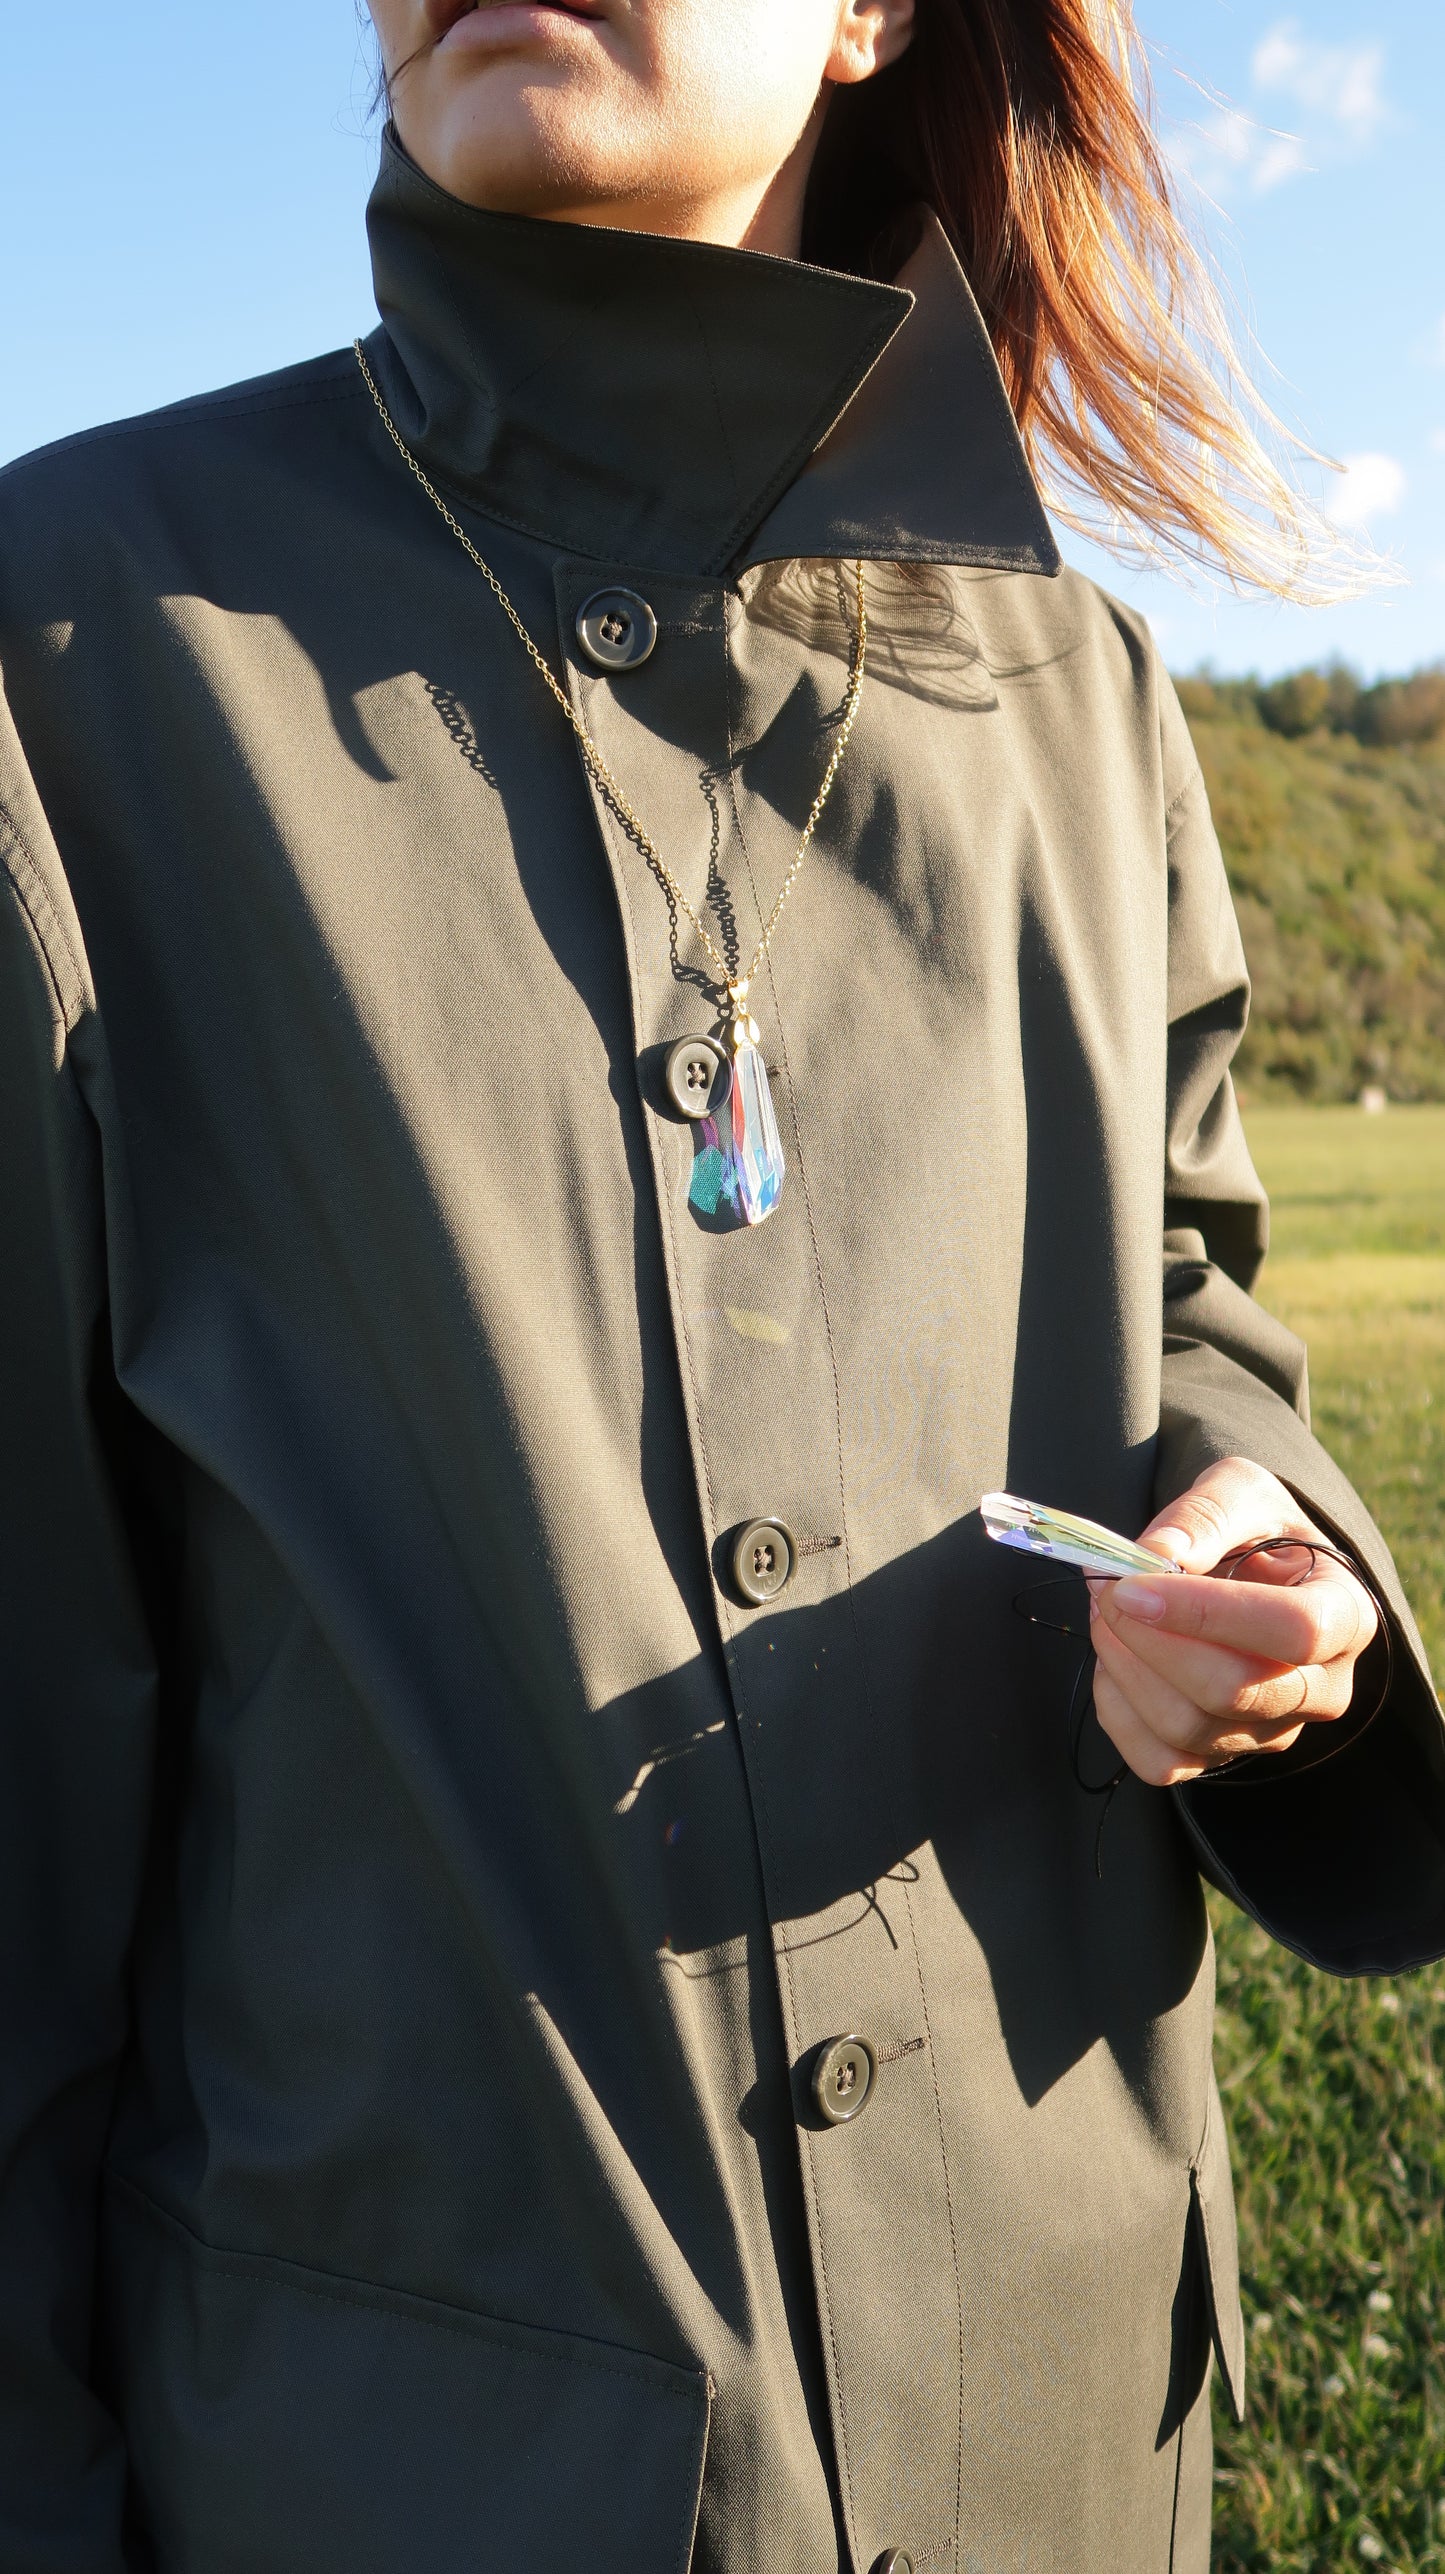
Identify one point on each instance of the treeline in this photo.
(1333, 699)
(1329, 799)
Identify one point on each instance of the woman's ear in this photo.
(871, 34)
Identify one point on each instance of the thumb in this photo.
(1231, 1504)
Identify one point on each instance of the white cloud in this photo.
(1370, 488)
(1229, 151)
(1339, 84)
(1336, 92)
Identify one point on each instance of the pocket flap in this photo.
(1212, 2189)
(282, 2421)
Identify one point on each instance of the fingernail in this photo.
(1140, 1599)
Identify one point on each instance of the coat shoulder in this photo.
(121, 484)
(93, 455)
(1028, 623)
(1069, 643)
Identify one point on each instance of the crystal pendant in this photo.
(757, 1152)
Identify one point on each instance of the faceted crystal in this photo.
(712, 1183)
(757, 1152)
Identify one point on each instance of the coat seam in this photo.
(1178, 801)
(70, 999)
(468, 2324)
(179, 416)
(1188, 2338)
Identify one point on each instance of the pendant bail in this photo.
(744, 1028)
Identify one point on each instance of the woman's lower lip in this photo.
(499, 22)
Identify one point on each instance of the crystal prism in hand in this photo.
(757, 1151)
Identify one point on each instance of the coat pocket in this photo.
(1212, 2192)
(282, 2421)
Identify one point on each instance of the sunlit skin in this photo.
(671, 116)
(1193, 1671)
(700, 120)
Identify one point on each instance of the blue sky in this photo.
(181, 199)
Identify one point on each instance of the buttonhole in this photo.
(818, 1545)
(909, 2047)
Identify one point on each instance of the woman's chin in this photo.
(509, 143)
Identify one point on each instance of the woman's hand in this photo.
(1193, 1671)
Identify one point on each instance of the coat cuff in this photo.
(1344, 1861)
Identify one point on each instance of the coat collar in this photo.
(692, 409)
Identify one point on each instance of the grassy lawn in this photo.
(1336, 2102)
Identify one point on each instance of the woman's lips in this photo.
(481, 21)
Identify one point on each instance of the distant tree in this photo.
(1297, 704)
(1403, 710)
(1394, 714)
(1206, 699)
(1343, 709)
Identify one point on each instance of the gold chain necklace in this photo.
(755, 1157)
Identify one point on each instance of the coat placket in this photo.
(759, 1382)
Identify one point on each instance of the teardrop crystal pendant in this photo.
(756, 1158)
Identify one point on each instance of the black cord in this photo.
(1250, 1767)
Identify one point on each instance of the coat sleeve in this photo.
(1342, 1861)
(77, 1716)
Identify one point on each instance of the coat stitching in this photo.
(862, 1657)
(338, 2288)
(69, 995)
(179, 416)
(619, 875)
(861, 1647)
(780, 1950)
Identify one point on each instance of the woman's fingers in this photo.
(1148, 1755)
(1163, 1733)
(1193, 1668)
(1153, 1755)
(1315, 1622)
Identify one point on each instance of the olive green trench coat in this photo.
(428, 1884)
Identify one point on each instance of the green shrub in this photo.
(1336, 852)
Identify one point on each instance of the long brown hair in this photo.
(1026, 126)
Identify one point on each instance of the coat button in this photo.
(616, 629)
(843, 2080)
(894, 2561)
(699, 1076)
(763, 1560)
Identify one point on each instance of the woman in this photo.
(568, 2004)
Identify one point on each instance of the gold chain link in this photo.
(735, 986)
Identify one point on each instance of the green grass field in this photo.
(1336, 2103)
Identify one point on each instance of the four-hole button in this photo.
(764, 1555)
(698, 1077)
(616, 629)
(843, 2080)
